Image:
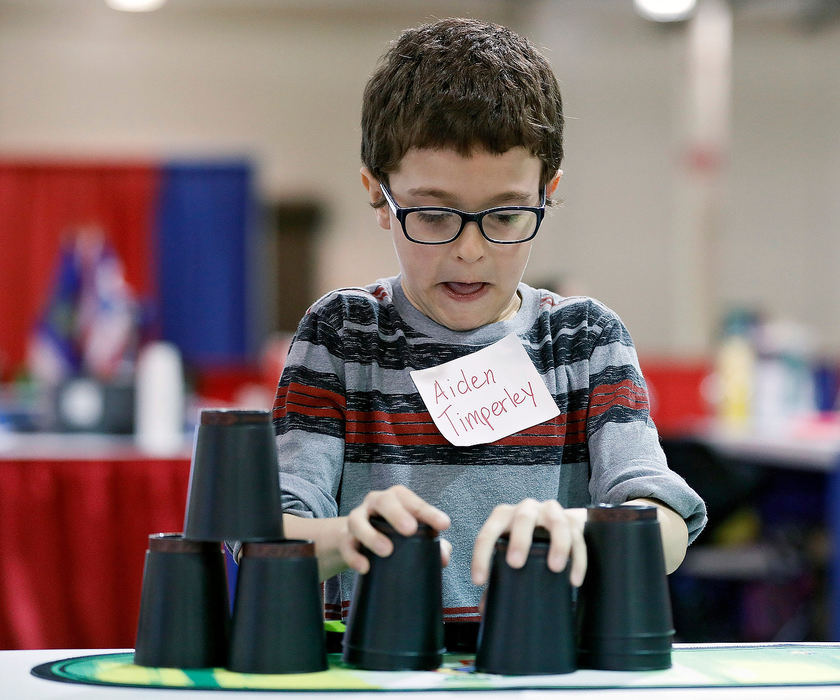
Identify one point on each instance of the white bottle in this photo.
(159, 396)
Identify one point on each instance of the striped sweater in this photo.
(349, 420)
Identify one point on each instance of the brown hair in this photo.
(461, 84)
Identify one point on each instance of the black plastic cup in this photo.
(528, 625)
(183, 619)
(278, 623)
(395, 621)
(234, 489)
(624, 609)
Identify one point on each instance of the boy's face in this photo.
(469, 282)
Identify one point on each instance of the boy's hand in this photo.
(565, 525)
(403, 509)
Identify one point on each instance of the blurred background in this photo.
(178, 185)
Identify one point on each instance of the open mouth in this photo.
(465, 289)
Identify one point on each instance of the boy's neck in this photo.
(513, 307)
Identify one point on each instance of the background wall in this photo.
(280, 81)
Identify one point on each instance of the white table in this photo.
(17, 682)
(81, 446)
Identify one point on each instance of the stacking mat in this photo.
(693, 666)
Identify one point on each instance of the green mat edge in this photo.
(46, 671)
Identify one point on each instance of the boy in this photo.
(462, 117)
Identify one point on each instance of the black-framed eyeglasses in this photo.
(439, 225)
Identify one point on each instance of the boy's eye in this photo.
(436, 218)
(505, 218)
(512, 219)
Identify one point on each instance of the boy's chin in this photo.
(462, 327)
(462, 323)
(471, 319)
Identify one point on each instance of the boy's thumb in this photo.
(445, 551)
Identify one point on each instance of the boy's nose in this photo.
(470, 245)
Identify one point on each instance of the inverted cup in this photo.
(183, 619)
(277, 616)
(624, 608)
(234, 488)
(396, 614)
(527, 627)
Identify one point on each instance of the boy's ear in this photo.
(371, 184)
(552, 183)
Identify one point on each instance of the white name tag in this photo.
(485, 396)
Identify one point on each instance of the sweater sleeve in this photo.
(626, 458)
(309, 418)
(308, 414)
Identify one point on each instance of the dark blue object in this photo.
(205, 220)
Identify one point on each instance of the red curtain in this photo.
(74, 535)
(39, 202)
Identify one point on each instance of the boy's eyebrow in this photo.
(512, 197)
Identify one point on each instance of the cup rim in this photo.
(278, 549)
(234, 416)
(176, 542)
(620, 512)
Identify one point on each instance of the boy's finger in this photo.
(579, 558)
(423, 511)
(353, 557)
(560, 528)
(496, 524)
(524, 520)
(394, 510)
(445, 551)
(403, 509)
(480, 566)
(366, 534)
(560, 547)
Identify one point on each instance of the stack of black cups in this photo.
(623, 617)
(234, 494)
(395, 619)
